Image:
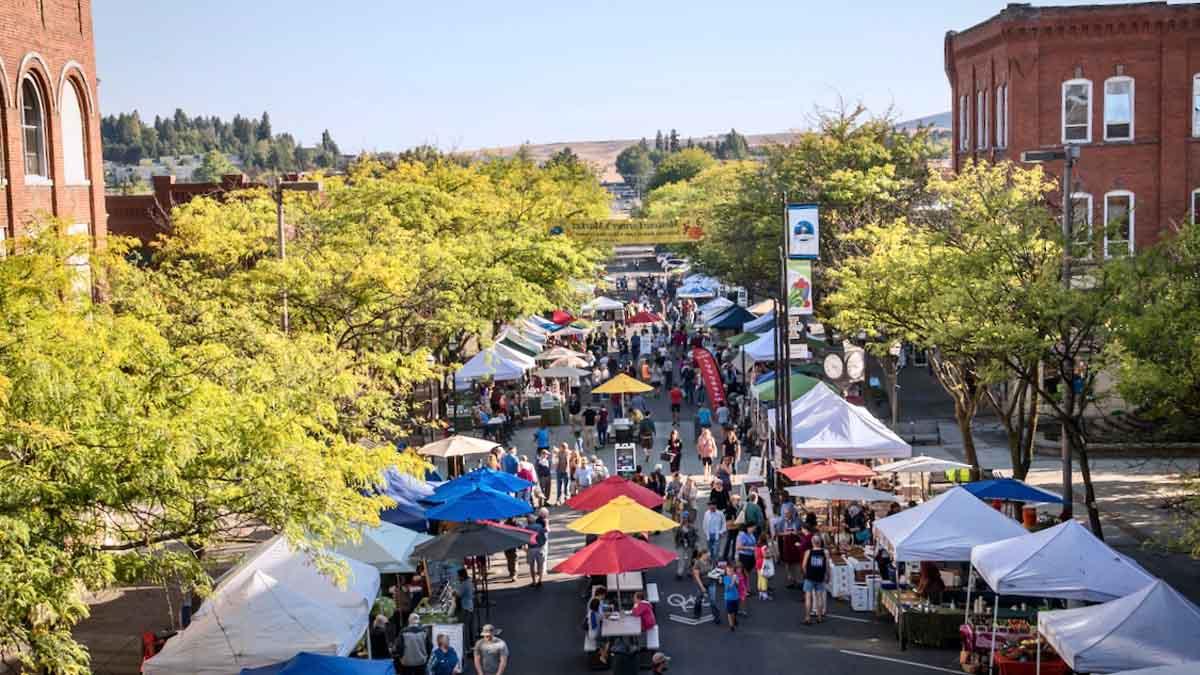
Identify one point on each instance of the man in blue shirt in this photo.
(703, 419)
(509, 462)
(542, 438)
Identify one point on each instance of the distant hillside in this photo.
(603, 154)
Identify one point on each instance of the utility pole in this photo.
(1069, 154)
(282, 186)
(783, 365)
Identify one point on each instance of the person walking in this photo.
(602, 427)
(714, 527)
(590, 438)
(732, 527)
(764, 567)
(562, 472)
(676, 396)
(536, 555)
(464, 594)
(542, 437)
(686, 539)
(593, 621)
(675, 449)
(706, 585)
(544, 472)
(414, 651)
(443, 660)
(646, 434)
(731, 447)
(706, 450)
(733, 594)
(816, 575)
(491, 653)
(747, 541)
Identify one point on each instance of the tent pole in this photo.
(370, 656)
(1038, 658)
(995, 620)
(970, 583)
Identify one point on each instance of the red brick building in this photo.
(50, 159)
(1121, 81)
(145, 217)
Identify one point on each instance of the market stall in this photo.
(386, 547)
(1155, 626)
(308, 663)
(825, 425)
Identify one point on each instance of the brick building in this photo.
(145, 217)
(50, 161)
(1121, 81)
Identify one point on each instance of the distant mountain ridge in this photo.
(603, 154)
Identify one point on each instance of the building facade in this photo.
(1120, 81)
(50, 160)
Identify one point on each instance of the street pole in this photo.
(783, 364)
(282, 237)
(1068, 510)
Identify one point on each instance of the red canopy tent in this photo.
(827, 470)
(643, 317)
(561, 318)
(614, 486)
(614, 553)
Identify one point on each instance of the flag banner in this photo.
(711, 374)
(804, 231)
(799, 287)
(630, 231)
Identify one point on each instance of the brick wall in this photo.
(145, 217)
(1035, 50)
(50, 40)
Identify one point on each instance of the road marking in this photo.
(681, 601)
(849, 618)
(907, 663)
(687, 620)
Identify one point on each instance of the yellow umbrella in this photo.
(622, 384)
(623, 515)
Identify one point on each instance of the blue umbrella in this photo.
(1011, 490)
(307, 663)
(483, 476)
(399, 485)
(480, 503)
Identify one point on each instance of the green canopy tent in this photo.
(742, 339)
(798, 383)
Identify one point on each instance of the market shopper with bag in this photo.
(816, 575)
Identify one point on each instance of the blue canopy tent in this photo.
(733, 318)
(483, 476)
(406, 491)
(1011, 490)
(480, 503)
(406, 513)
(308, 663)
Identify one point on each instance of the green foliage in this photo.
(127, 139)
(635, 165)
(214, 165)
(680, 166)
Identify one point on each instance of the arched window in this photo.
(74, 136)
(33, 129)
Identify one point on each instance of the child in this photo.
(760, 564)
(743, 587)
(729, 582)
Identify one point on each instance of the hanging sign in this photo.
(804, 231)
(711, 375)
(799, 287)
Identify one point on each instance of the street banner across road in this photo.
(711, 374)
(804, 231)
(631, 231)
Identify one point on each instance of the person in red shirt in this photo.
(644, 611)
(676, 401)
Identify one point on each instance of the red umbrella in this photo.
(643, 317)
(826, 470)
(561, 318)
(614, 553)
(614, 486)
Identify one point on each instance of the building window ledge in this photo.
(86, 183)
(38, 181)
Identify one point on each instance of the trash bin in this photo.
(623, 658)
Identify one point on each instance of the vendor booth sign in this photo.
(612, 232)
(800, 287)
(804, 231)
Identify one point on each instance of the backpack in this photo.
(415, 652)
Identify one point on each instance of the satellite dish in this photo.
(834, 367)
(856, 365)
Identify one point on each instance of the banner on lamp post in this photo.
(710, 373)
(799, 287)
(804, 231)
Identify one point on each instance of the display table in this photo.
(624, 626)
(932, 627)
(1011, 666)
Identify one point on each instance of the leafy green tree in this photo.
(263, 131)
(214, 165)
(635, 166)
(681, 166)
(673, 142)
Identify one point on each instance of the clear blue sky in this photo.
(387, 75)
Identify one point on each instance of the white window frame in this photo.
(1063, 110)
(1132, 217)
(1192, 206)
(81, 174)
(964, 123)
(43, 159)
(1196, 105)
(1002, 115)
(1132, 100)
(981, 114)
(1091, 226)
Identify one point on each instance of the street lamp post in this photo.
(282, 186)
(1068, 154)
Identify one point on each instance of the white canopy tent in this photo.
(713, 307)
(1189, 668)
(558, 353)
(295, 570)
(1155, 626)
(1065, 561)
(762, 349)
(485, 364)
(387, 548)
(517, 358)
(762, 307)
(257, 621)
(695, 292)
(827, 426)
(762, 323)
(841, 492)
(945, 528)
(603, 304)
(561, 372)
(921, 464)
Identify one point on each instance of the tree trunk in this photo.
(1029, 424)
(1079, 447)
(966, 423)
